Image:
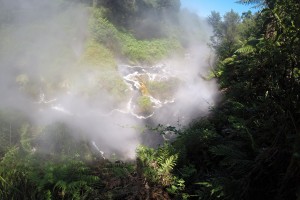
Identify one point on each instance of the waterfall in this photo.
(136, 77)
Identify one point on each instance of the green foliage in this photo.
(97, 57)
(226, 32)
(210, 190)
(144, 18)
(158, 164)
(103, 31)
(252, 137)
(148, 51)
(114, 85)
(248, 148)
(245, 49)
(13, 184)
(70, 179)
(11, 122)
(122, 171)
(33, 177)
(27, 172)
(163, 90)
(144, 104)
(259, 107)
(125, 44)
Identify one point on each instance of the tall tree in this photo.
(226, 32)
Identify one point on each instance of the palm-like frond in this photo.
(245, 50)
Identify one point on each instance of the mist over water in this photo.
(40, 49)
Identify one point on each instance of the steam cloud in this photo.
(35, 51)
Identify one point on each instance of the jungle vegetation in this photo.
(247, 148)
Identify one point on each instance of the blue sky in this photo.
(204, 7)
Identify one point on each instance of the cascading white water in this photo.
(114, 126)
(132, 74)
(97, 148)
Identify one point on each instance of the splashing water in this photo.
(135, 76)
(97, 148)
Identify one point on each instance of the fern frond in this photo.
(228, 152)
(245, 50)
(227, 61)
(168, 164)
(60, 185)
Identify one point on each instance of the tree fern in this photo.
(61, 186)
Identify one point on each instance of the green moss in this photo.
(106, 84)
(144, 104)
(163, 90)
(97, 56)
(148, 51)
(103, 31)
(113, 83)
